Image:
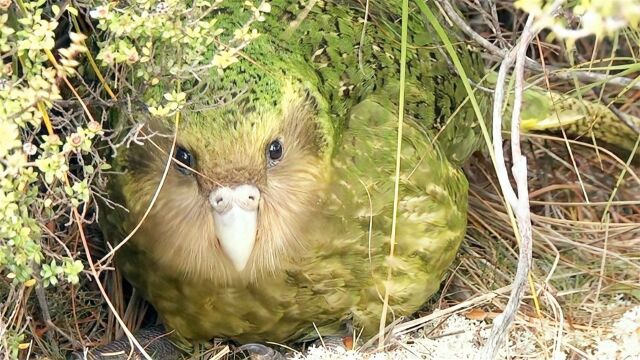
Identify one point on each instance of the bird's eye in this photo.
(275, 150)
(184, 159)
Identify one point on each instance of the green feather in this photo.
(337, 270)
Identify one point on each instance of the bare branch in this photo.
(519, 201)
(587, 77)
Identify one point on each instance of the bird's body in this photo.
(337, 271)
(311, 137)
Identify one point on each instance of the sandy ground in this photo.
(459, 338)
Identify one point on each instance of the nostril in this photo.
(251, 197)
(219, 199)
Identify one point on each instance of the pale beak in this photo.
(236, 221)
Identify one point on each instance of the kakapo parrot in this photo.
(273, 223)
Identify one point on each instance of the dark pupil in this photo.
(275, 150)
(183, 156)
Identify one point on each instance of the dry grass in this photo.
(586, 252)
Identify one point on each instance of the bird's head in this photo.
(242, 190)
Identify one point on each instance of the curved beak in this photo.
(235, 218)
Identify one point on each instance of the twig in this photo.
(396, 187)
(519, 202)
(563, 74)
(603, 261)
(132, 340)
(303, 15)
(156, 194)
(46, 316)
(410, 326)
(559, 317)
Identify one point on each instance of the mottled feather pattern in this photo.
(322, 247)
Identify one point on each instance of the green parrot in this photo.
(274, 221)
